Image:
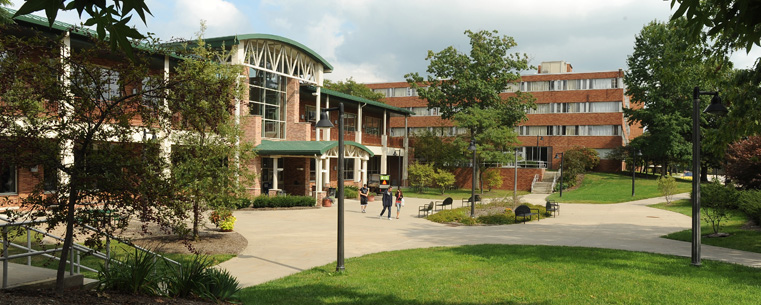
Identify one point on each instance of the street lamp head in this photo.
(472, 146)
(558, 154)
(716, 106)
(324, 120)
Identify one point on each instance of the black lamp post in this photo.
(635, 153)
(562, 157)
(472, 148)
(538, 155)
(325, 123)
(715, 108)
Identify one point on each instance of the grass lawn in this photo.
(457, 194)
(509, 274)
(740, 239)
(615, 188)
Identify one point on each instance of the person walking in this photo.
(388, 199)
(399, 201)
(363, 192)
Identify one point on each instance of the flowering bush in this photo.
(219, 215)
(228, 223)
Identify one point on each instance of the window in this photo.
(540, 108)
(49, 179)
(96, 83)
(603, 130)
(397, 132)
(310, 113)
(350, 122)
(349, 169)
(267, 98)
(149, 94)
(383, 91)
(605, 107)
(372, 125)
(400, 92)
(312, 169)
(8, 179)
(604, 153)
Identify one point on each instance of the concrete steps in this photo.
(544, 186)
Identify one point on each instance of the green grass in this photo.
(457, 194)
(740, 239)
(614, 188)
(117, 250)
(509, 274)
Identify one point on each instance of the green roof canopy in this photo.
(302, 148)
(359, 100)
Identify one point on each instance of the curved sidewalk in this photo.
(283, 242)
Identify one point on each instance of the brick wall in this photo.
(464, 177)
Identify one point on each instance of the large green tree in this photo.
(467, 88)
(351, 87)
(732, 25)
(99, 123)
(663, 70)
(435, 148)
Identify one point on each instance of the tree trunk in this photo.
(195, 218)
(68, 239)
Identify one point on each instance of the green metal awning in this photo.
(302, 148)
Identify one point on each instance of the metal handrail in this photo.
(554, 180)
(536, 177)
(74, 248)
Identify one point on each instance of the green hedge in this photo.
(750, 204)
(264, 201)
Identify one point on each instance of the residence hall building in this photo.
(573, 109)
(278, 115)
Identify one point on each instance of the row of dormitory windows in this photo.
(533, 86)
(577, 107)
(583, 107)
(440, 131)
(572, 130)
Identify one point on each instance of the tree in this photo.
(467, 88)
(442, 179)
(351, 87)
(663, 70)
(5, 16)
(201, 166)
(436, 149)
(576, 161)
(110, 20)
(84, 120)
(667, 187)
(732, 25)
(492, 179)
(744, 163)
(420, 176)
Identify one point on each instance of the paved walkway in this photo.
(283, 242)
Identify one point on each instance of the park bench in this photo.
(446, 203)
(524, 211)
(428, 208)
(552, 207)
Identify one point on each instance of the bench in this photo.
(552, 206)
(446, 203)
(524, 211)
(468, 200)
(428, 208)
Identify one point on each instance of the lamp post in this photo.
(634, 166)
(472, 148)
(715, 108)
(325, 123)
(562, 157)
(538, 155)
(515, 179)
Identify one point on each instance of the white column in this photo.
(364, 171)
(67, 147)
(326, 171)
(406, 160)
(384, 143)
(357, 170)
(275, 174)
(358, 134)
(326, 131)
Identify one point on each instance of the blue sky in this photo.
(381, 40)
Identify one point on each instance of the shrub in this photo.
(667, 187)
(219, 215)
(351, 192)
(750, 203)
(744, 162)
(717, 201)
(221, 286)
(460, 215)
(134, 274)
(420, 176)
(577, 161)
(190, 279)
(228, 223)
(442, 180)
(264, 201)
(492, 179)
(498, 218)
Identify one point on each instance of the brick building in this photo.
(278, 115)
(573, 109)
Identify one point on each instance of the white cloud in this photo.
(221, 17)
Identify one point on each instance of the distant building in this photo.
(573, 109)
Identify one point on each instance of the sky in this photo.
(376, 41)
